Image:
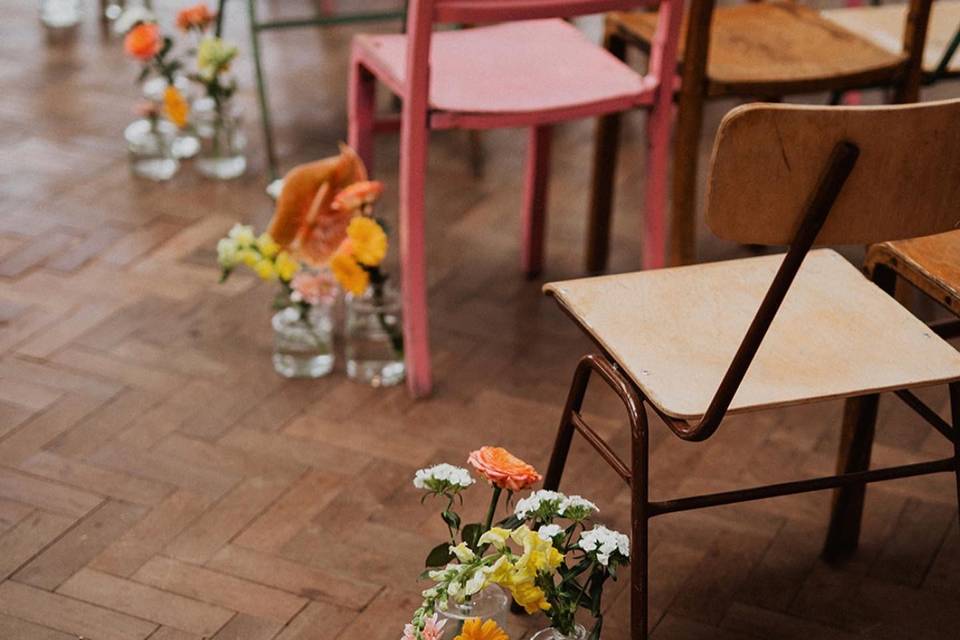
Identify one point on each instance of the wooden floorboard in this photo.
(158, 480)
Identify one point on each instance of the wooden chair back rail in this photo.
(482, 11)
(767, 160)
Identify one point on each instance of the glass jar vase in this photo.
(550, 633)
(150, 148)
(186, 144)
(490, 604)
(303, 343)
(222, 142)
(374, 337)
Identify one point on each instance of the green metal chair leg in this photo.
(264, 103)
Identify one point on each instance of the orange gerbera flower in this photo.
(175, 106)
(143, 42)
(197, 17)
(503, 469)
(474, 629)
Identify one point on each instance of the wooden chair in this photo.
(533, 74)
(932, 265)
(697, 343)
(758, 50)
(883, 25)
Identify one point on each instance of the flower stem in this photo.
(493, 508)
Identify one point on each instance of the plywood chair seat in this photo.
(931, 263)
(536, 66)
(775, 47)
(883, 25)
(675, 331)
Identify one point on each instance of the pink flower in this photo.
(313, 288)
(432, 629)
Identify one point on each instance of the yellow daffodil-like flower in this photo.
(286, 266)
(367, 240)
(500, 572)
(349, 273)
(248, 257)
(214, 55)
(539, 555)
(475, 629)
(267, 246)
(265, 269)
(175, 106)
(495, 536)
(529, 596)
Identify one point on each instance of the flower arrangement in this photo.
(146, 43)
(547, 554)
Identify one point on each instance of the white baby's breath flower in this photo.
(227, 253)
(131, 17)
(242, 235)
(542, 504)
(549, 531)
(606, 544)
(577, 508)
(443, 478)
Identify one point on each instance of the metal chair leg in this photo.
(264, 103)
(955, 419)
(640, 518)
(561, 446)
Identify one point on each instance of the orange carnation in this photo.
(143, 42)
(196, 17)
(503, 469)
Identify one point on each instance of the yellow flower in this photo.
(214, 55)
(286, 266)
(474, 629)
(175, 106)
(248, 257)
(530, 596)
(367, 240)
(495, 536)
(539, 555)
(265, 270)
(501, 572)
(267, 246)
(242, 234)
(349, 273)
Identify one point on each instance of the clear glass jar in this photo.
(374, 337)
(60, 14)
(186, 144)
(490, 604)
(303, 346)
(150, 148)
(550, 633)
(221, 139)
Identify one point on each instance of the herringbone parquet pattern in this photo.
(158, 481)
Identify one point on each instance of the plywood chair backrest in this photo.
(767, 160)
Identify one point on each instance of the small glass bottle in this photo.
(374, 337)
(222, 141)
(150, 148)
(490, 604)
(60, 14)
(303, 343)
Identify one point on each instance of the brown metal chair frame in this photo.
(838, 168)
(691, 96)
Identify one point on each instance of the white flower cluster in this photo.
(229, 249)
(546, 505)
(606, 543)
(443, 478)
(549, 531)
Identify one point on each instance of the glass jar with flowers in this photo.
(303, 321)
(217, 119)
(547, 555)
(158, 138)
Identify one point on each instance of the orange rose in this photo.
(503, 469)
(196, 17)
(143, 42)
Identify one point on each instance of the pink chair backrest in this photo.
(423, 14)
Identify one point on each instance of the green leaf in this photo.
(471, 534)
(510, 522)
(439, 555)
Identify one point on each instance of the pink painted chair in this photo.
(531, 69)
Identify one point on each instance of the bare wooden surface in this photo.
(156, 477)
(931, 263)
(883, 25)
(768, 158)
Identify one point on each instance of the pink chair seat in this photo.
(540, 66)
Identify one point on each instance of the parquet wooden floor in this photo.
(158, 481)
